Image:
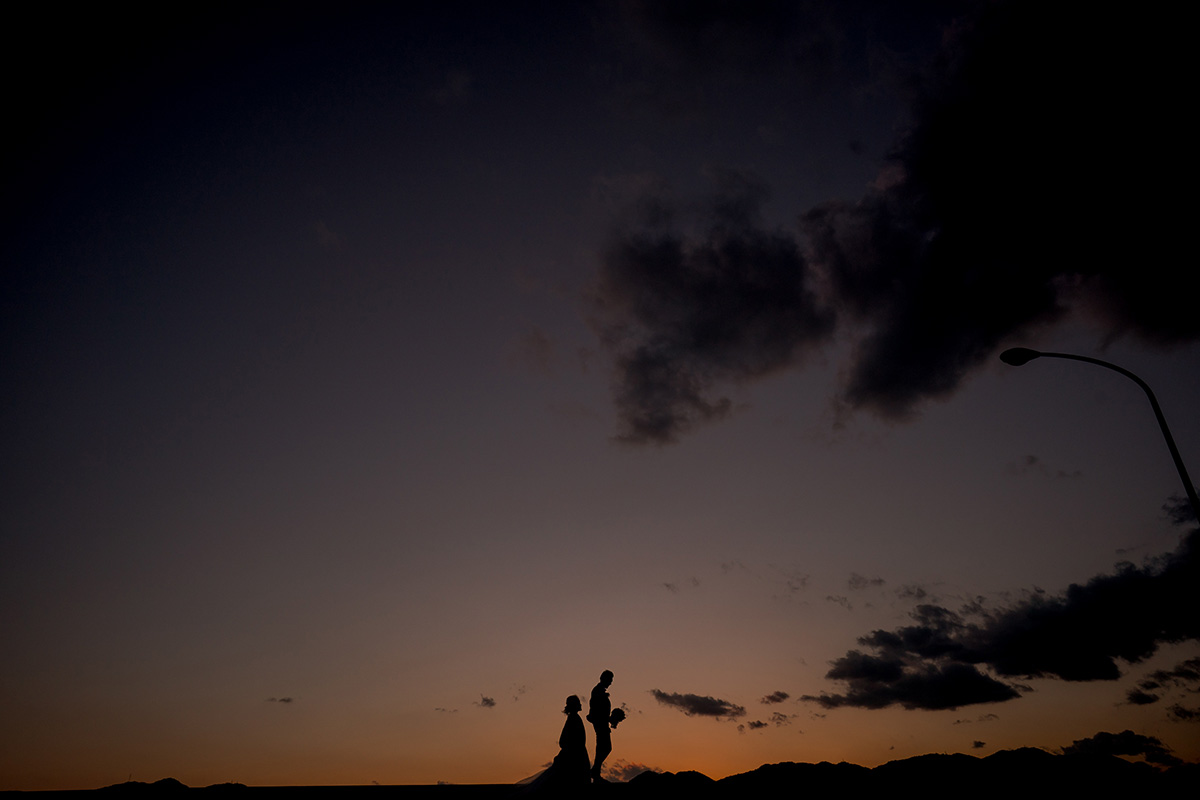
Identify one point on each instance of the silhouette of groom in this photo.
(599, 711)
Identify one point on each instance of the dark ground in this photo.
(1024, 774)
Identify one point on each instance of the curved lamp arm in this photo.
(1018, 356)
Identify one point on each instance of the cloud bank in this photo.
(1033, 183)
(1125, 743)
(949, 659)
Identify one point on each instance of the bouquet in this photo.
(618, 716)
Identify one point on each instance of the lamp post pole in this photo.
(1018, 356)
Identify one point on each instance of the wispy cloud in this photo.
(754, 725)
(1185, 675)
(695, 705)
(858, 583)
(1032, 464)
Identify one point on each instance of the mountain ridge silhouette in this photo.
(1027, 773)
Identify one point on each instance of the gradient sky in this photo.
(375, 377)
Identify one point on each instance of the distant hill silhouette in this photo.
(1023, 774)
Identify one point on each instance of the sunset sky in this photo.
(374, 375)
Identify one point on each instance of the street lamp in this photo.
(1019, 356)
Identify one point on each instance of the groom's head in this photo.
(606, 678)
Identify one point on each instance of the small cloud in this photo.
(441, 710)
(1178, 713)
(690, 583)
(779, 719)
(486, 702)
(279, 699)
(755, 725)
(977, 745)
(1033, 465)
(911, 592)
(857, 582)
(694, 705)
(1139, 698)
(840, 600)
(518, 690)
(1186, 675)
(1179, 510)
(774, 697)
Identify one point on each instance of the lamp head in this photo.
(1018, 356)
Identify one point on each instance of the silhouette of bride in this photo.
(571, 767)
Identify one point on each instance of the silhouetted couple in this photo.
(571, 769)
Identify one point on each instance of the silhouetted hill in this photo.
(164, 786)
(1024, 774)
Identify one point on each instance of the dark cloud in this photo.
(754, 725)
(1179, 713)
(857, 583)
(674, 588)
(1034, 464)
(486, 702)
(983, 718)
(1031, 184)
(912, 592)
(1138, 697)
(879, 682)
(1125, 743)
(683, 314)
(1012, 198)
(977, 745)
(695, 705)
(779, 719)
(1185, 674)
(949, 659)
(280, 700)
(774, 697)
(1179, 510)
